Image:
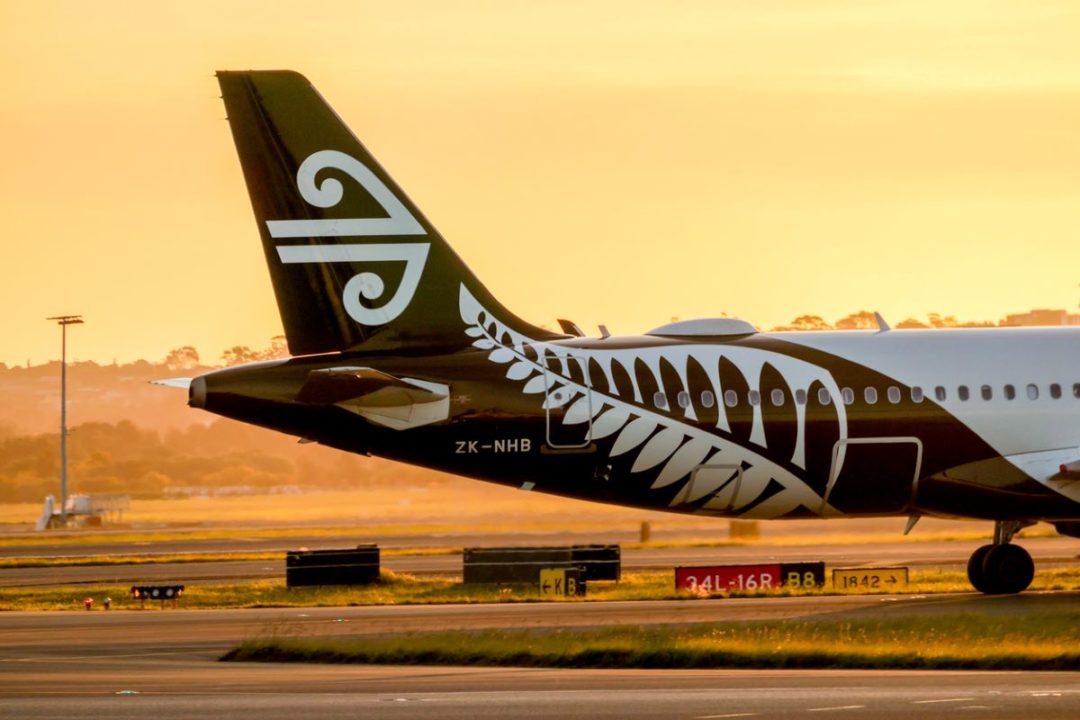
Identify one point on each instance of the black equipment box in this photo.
(332, 567)
(523, 564)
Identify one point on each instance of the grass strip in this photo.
(192, 557)
(403, 589)
(831, 539)
(392, 589)
(376, 533)
(148, 559)
(246, 533)
(1039, 641)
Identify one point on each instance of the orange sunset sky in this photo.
(619, 162)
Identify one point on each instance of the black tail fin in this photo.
(353, 262)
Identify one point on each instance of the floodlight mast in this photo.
(63, 321)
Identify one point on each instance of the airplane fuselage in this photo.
(759, 425)
(400, 351)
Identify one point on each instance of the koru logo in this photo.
(400, 221)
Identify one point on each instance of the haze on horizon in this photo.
(615, 162)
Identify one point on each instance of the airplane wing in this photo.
(1057, 469)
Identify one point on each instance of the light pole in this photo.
(63, 321)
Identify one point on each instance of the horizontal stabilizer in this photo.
(334, 385)
(178, 383)
(398, 403)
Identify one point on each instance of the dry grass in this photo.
(463, 500)
(495, 519)
(192, 557)
(393, 589)
(456, 507)
(412, 530)
(401, 589)
(163, 558)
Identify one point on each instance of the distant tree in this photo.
(810, 322)
(936, 320)
(804, 322)
(182, 358)
(278, 349)
(941, 321)
(911, 324)
(238, 355)
(862, 320)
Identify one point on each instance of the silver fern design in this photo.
(717, 461)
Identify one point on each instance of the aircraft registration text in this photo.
(506, 445)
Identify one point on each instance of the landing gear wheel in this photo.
(975, 569)
(1007, 569)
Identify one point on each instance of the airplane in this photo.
(399, 351)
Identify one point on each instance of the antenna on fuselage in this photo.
(571, 328)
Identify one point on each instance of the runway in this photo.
(123, 664)
(284, 693)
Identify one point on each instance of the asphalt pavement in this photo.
(162, 664)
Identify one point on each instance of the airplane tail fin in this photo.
(353, 262)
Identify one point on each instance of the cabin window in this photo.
(824, 398)
(962, 392)
(894, 394)
(916, 394)
(1076, 390)
(731, 398)
(848, 395)
(707, 399)
(754, 397)
(1055, 391)
(939, 393)
(800, 397)
(777, 397)
(1032, 391)
(987, 392)
(683, 398)
(659, 400)
(1010, 392)
(870, 395)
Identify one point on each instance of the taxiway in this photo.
(163, 664)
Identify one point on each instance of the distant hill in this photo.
(96, 393)
(224, 456)
(129, 436)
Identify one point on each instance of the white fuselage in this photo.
(972, 358)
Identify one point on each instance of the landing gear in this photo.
(1001, 568)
